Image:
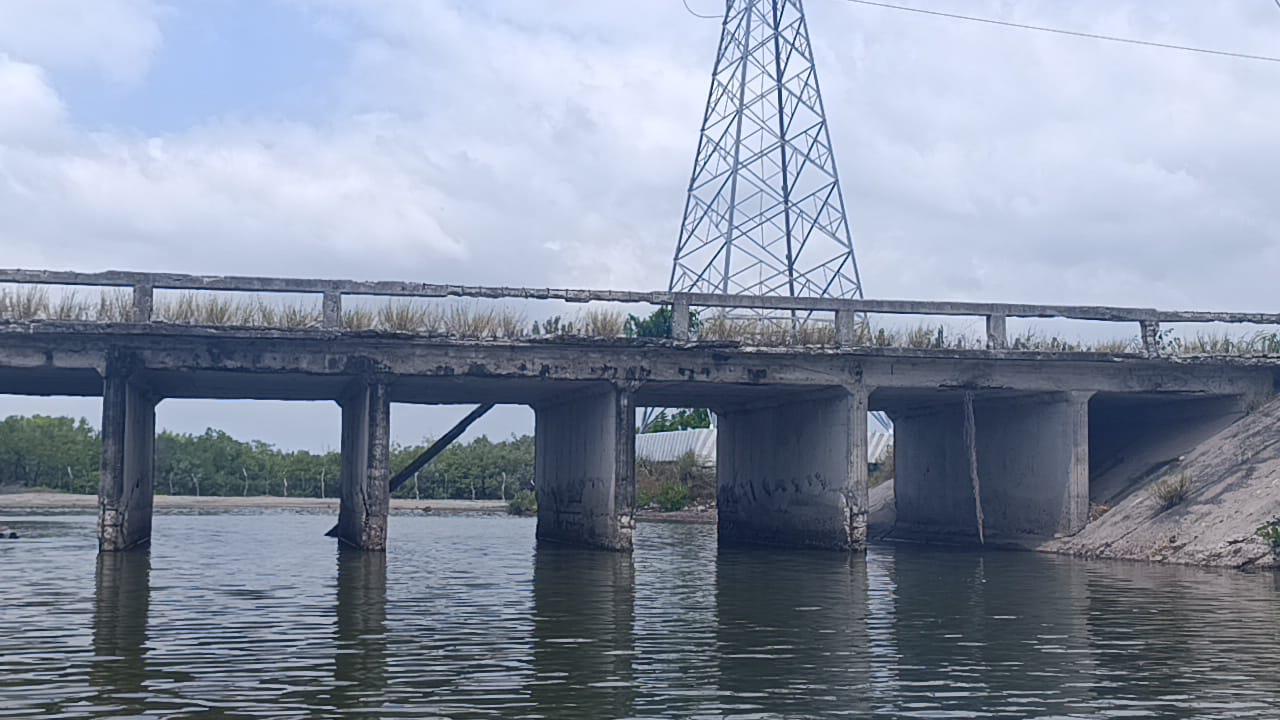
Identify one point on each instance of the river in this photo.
(258, 615)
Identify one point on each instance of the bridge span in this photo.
(1015, 436)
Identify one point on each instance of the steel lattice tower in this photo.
(765, 214)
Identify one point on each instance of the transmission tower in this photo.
(765, 214)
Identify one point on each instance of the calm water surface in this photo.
(259, 615)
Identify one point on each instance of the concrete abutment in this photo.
(585, 468)
(794, 473)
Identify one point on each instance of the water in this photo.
(259, 615)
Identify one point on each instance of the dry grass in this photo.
(768, 332)
(601, 323)
(1172, 490)
(472, 320)
(1258, 343)
(192, 308)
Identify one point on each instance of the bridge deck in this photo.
(69, 358)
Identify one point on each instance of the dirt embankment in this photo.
(1233, 489)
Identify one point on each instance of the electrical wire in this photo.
(717, 17)
(1072, 33)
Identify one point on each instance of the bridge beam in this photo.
(126, 491)
(366, 465)
(1032, 465)
(794, 474)
(585, 468)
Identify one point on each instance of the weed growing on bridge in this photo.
(474, 321)
(592, 323)
(1259, 343)
(1270, 534)
(1172, 491)
(191, 308)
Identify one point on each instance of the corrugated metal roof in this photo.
(669, 446)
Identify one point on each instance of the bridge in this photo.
(990, 441)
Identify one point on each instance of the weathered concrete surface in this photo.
(584, 472)
(1235, 489)
(366, 466)
(1032, 459)
(126, 487)
(67, 359)
(795, 474)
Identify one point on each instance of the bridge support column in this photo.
(126, 491)
(585, 469)
(1032, 459)
(795, 473)
(366, 464)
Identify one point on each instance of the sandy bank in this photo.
(49, 502)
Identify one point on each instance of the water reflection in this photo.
(1213, 622)
(998, 632)
(465, 619)
(360, 632)
(122, 602)
(583, 633)
(790, 623)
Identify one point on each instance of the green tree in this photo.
(681, 420)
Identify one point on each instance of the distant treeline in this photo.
(62, 453)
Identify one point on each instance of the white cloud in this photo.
(30, 110)
(115, 38)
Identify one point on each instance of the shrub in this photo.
(672, 496)
(524, 502)
(1172, 491)
(1270, 534)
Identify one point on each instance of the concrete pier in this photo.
(795, 473)
(585, 467)
(366, 465)
(126, 490)
(1032, 455)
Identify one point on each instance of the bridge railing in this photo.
(845, 311)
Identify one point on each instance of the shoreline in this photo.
(53, 502)
(178, 504)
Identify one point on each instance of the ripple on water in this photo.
(244, 615)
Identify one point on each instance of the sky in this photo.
(549, 142)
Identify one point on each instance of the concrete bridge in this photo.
(1016, 437)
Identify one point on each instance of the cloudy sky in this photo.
(549, 142)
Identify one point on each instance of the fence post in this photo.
(143, 302)
(680, 318)
(1151, 337)
(997, 335)
(846, 328)
(332, 310)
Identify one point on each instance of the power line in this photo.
(1072, 33)
(717, 17)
